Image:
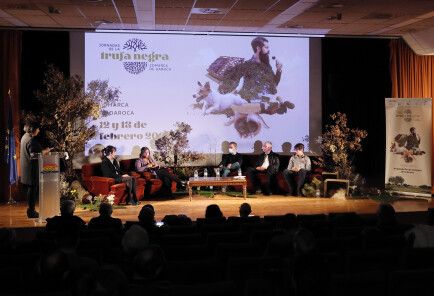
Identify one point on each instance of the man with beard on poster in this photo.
(259, 78)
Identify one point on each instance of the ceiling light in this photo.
(98, 22)
(53, 10)
(338, 17)
(196, 10)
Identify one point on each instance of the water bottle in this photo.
(196, 174)
(205, 173)
(240, 173)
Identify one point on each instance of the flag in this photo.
(11, 156)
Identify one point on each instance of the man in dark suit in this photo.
(67, 223)
(268, 164)
(105, 219)
(29, 166)
(110, 169)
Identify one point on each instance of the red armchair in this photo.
(95, 184)
(153, 185)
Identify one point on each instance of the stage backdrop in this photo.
(169, 78)
(408, 151)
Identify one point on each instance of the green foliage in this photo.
(68, 109)
(309, 189)
(173, 147)
(339, 144)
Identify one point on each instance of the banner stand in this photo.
(408, 146)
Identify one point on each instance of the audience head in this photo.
(304, 242)
(107, 281)
(67, 208)
(267, 147)
(177, 220)
(245, 210)
(386, 215)
(150, 262)
(109, 151)
(213, 211)
(54, 265)
(145, 152)
(150, 206)
(7, 237)
(105, 209)
(147, 216)
(135, 239)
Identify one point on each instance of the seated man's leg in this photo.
(301, 176)
(225, 171)
(129, 184)
(251, 175)
(289, 179)
(266, 188)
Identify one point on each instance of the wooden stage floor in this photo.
(15, 216)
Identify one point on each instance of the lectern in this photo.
(49, 184)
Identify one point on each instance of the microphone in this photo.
(273, 57)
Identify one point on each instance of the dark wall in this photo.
(41, 48)
(356, 79)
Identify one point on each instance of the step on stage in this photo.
(15, 216)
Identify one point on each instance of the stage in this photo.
(409, 209)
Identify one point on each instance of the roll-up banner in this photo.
(408, 146)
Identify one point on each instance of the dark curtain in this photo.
(10, 65)
(356, 79)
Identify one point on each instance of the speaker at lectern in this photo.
(49, 184)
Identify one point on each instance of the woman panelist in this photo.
(145, 163)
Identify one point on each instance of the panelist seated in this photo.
(231, 161)
(268, 164)
(146, 163)
(110, 169)
(299, 165)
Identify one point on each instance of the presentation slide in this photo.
(220, 85)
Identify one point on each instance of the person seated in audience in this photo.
(110, 169)
(213, 212)
(147, 220)
(52, 270)
(245, 210)
(299, 165)
(177, 220)
(105, 219)
(7, 238)
(67, 222)
(309, 269)
(146, 163)
(386, 224)
(135, 239)
(108, 280)
(268, 163)
(386, 219)
(149, 263)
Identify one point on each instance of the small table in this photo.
(216, 181)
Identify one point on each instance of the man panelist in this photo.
(298, 166)
(268, 163)
(231, 161)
